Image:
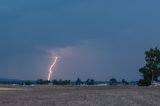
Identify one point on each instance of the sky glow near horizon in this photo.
(94, 39)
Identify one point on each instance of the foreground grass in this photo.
(79, 96)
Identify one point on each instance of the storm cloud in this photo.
(95, 39)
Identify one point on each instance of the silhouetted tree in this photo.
(78, 81)
(90, 82)
(28, 83)
(66, 82)
(113, 81)
(151, 70)
(60, 82)
(55, 82)
(124, 82)
(87, 81)
(41, 81)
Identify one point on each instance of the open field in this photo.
(79, 96)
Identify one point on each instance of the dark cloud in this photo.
(120, 30)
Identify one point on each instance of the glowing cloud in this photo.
(52, 67)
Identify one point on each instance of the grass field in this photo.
(79, 96)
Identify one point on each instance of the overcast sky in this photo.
(97, 39)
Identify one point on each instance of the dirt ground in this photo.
(79, 96)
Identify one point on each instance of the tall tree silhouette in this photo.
(151, 70)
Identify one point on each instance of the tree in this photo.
(151, 70)
(87, 81)
(78, 81)
(60, 82)
(41, 81)
(66, 82)
(124, 82)
(90, 82)
(55, 82)
(28, 83)
(113, 81)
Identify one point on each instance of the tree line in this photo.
(66, 82)
(112, 81)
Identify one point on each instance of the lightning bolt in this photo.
(52, 67)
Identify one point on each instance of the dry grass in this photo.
(79, 96)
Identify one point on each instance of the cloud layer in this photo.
(98, 39)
